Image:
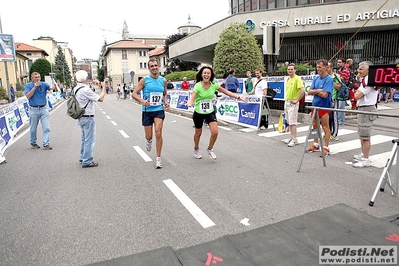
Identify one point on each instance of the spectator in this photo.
(295, 91)
(334, 102)
(321, 89)
(344, 73)
(169, 85)
(232, 83)
(36, 93)
(12, 93)
(366, 98)
(86, 97)
(185, 85)
(249, 85)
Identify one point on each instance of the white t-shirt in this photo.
(260, 87)
(370, 94)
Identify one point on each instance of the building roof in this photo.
(126, 44)
(23, 47)
(157, 51)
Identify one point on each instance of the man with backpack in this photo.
(86, 98)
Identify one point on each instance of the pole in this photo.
(6, 70)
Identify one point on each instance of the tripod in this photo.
(385, 176)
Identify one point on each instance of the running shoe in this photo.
(286, 141)
(148, 145)
(158, 163)
(326, 152)
(292, 143)
(334, 138)
(47, 147)
(211, 154)
(358, 157)
(35, 146)
(313, 148)
(197, 154)
(362, 163)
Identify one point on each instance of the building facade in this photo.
(308, 30)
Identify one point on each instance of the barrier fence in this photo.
(385, 177)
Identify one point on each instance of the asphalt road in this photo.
(53, 212)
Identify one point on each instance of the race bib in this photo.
(156, 98)
(205, 106)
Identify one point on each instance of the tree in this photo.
(61, 68)
(177, 64)
(237, 49)
(41, 66)
(100, 73)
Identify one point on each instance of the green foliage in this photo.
(100, 74)
(19, 87)
(176, 64)
(61, 68)
(237, 49)
(3, 94)
(41, 66)
(301, 69)
(178, 76)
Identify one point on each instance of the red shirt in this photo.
(185, 85)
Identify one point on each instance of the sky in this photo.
(84, 25)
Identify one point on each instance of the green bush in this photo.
(300, 69)
(178, 76)
(3, 94)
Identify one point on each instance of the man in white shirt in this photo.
(260, 85)
(366, 98)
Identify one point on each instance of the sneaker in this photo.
(211, 154)
(35, 146)
(334, 138)
(358, 157)
(326, 152)
(362, 163)
(92, 164)
(197, 154)
(47, 147)
(286, 141)
(148, 145)
(313, 148)
(158, 163)
(292, 143)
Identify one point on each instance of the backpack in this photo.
(74, 110)
(343, 93)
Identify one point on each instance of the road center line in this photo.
(195, 211)
(143, 155)
(126, 136)
(114, 123)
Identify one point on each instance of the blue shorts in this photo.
(147, 118)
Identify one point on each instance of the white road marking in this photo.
(126, 136)
(107, 116)
(195, 211)
(341, 132)
(276, 133)
(380, 160)
(114, 123)
(104, 113)
(225, 128)
(355, 144)
(143, 155)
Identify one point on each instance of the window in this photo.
(145, 65)
(28, 53)
(141, 64)
(262, 4)
(142, 53)
(124, 54)
(271, 4)
(280, 3)
(291, 3)
(303, 2)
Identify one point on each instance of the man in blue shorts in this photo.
(154, 102)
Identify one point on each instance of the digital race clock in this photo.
(384, 75)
